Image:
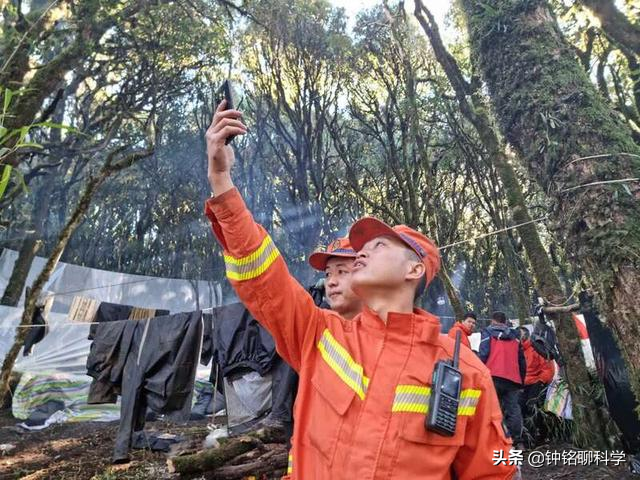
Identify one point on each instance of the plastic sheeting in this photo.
(248, 397)
(69, 280)
(63, 349)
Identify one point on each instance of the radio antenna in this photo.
(456, 350)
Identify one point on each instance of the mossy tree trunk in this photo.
(574, 145)
(587, 412)
(522, 303)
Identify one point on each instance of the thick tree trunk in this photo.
(586, 408)
(574, 145)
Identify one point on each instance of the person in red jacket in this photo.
(337, 262)
(501, 351)
(365, 383)
(540, 372)
(465, 327)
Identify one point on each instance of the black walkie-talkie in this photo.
(445, 395)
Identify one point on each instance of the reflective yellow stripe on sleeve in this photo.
(290, 465)
(469, 399)
(340, 361)
(252, 265)
(411, 398)
(415, 399)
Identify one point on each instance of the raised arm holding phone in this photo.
(365, 384)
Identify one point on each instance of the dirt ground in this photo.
(82, 451)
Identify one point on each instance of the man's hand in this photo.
(220, 156)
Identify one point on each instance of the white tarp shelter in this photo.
(58, 362)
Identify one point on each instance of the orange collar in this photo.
(403, 326)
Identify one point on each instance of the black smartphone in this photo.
(225, 92)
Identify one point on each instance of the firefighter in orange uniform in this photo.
(336, 263)
(364, 383)
(465, 327)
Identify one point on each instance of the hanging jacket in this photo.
(464, 333)
(538, 368)
(364, 385)
(35, 334)
(240, 342)
(502, 352)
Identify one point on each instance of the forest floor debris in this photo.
(82, 451)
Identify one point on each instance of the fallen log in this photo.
(212, 458)
(272, 463)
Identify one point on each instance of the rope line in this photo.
(208, 309)
(495, 232)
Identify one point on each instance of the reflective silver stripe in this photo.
(254, 264)
(415, 399)
(411, 398)
(340, 361)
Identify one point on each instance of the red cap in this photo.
(338, 248)
(368, 228)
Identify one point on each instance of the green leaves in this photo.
(4, 180)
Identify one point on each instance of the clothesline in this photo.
(204, 310)
(495, 232)
(208, 309)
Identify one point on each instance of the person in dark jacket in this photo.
(501, 351)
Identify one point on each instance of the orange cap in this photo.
(338, 248)
(368, 228)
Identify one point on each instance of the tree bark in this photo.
(574, 145)
(615, 24)
(452, 293)
(30, 246)
(28, 251)
(272, 463)
(523, 309)
(46, 78)
(72, 224)
(586, 408)
(212, 458)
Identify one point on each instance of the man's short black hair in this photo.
(499, 317)
(470, 314)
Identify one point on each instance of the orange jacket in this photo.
(464, 333)
(538, 368)
(364, 385)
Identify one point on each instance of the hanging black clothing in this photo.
(36, 334)
(111, 312)
(241, 343)
(151, 363)
(614, 375)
